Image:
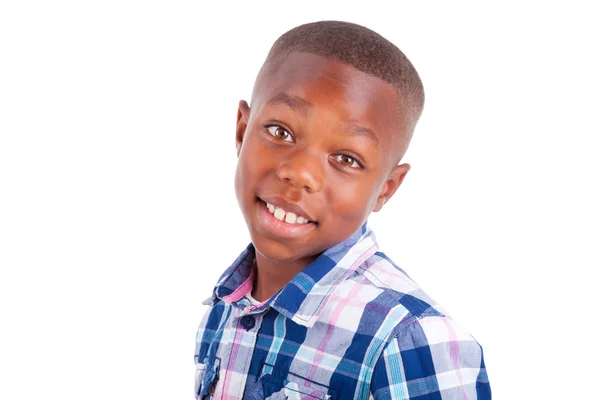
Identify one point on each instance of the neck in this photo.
(273, 275)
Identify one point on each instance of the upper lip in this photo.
(281, 203)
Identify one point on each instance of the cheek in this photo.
(251, 166)
(351, 200)
(239, 184)
(243, 172)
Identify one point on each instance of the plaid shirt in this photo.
(351, 325)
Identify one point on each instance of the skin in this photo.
(305, 141)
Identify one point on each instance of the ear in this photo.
(392, 184)
(243, 115)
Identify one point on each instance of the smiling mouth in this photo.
(286, 216)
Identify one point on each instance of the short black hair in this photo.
(359, 47)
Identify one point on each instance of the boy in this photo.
(311, 309)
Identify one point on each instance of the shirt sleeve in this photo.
(432, 358)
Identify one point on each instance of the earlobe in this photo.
(392, 184)
(243, 115)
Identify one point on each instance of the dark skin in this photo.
(324, 136)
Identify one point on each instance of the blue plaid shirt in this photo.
(351, 325)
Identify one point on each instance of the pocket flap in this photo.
(271, 387)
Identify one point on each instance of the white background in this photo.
(118, 214)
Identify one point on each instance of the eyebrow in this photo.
(296, 103)
(361, 130)
(302, 106)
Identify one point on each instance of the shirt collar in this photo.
(304, 298)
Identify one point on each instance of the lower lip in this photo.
(280, 228)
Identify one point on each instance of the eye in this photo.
(280, 133)
(347, 161)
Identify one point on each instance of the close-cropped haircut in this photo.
(359, 47)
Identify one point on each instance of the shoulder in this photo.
(423, 350)
(433, 356)
(379, 302)
(379, 284)
(382, 272)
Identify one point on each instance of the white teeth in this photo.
(279, 214)
(290, 218)
(286, 216)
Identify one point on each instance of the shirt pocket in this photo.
(292, 387)
(205, 380)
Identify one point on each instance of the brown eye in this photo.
(280, 133)
(347, 161)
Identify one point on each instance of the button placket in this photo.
(251, 325)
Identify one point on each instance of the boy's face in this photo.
(321, 141)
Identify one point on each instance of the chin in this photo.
(276, 251)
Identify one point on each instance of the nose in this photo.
(303, 170)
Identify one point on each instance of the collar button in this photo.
(248, 322)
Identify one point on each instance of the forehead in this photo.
(312, 84)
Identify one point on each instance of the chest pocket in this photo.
(292, 387)
(207, 376)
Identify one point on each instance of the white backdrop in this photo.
(117, 210)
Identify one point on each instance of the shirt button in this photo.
(248, 322)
